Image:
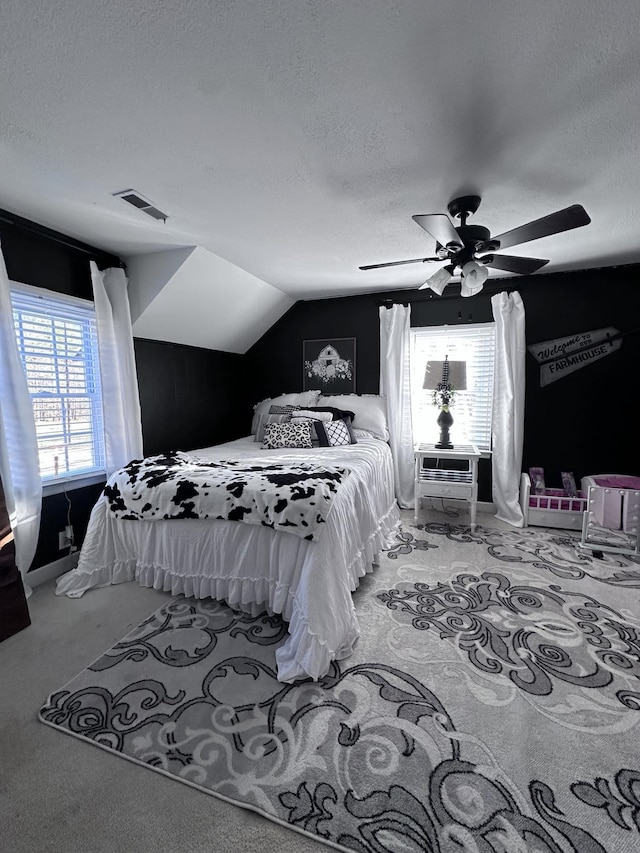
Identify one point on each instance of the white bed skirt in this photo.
(254, 568)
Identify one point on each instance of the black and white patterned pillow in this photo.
(308, 417)
(263, 422)
(289, 434)
(335, 433)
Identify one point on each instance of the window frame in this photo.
(450, 331)
(54, 484)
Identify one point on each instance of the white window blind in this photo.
(58, 346)
(471, 409)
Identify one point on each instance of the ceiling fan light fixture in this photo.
(473, 278)
(439, 280)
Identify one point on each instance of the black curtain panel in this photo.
(14, 613)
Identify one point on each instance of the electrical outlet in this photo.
(65, 538)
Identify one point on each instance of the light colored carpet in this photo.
(60, 795)
(492, 703)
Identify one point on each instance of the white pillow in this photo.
(304, 398)
(311, 415)
(370, 411)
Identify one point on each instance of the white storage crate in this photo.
(612, 520)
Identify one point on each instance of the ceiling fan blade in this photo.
(398, 263)
(439, 227)
(511, 263)
(555, 223)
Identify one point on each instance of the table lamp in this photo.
(444, 378)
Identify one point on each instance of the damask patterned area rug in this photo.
(492, 702)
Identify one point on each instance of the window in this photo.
(471, 409)
(58, 346)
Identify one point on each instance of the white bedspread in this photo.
(253, 568)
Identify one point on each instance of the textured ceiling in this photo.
(296, 139)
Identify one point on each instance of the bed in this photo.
(253, 567)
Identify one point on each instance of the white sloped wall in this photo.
(191, 296)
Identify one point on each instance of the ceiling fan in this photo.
(471, 248)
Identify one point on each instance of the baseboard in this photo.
(486, 506)
(52, 570)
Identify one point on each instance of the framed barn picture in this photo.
(329, 365)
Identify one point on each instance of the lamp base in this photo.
(444, 421)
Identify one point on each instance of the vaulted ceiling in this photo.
(291, 142)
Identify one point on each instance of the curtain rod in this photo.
(42, 231)
(511, 282)
(391, 300)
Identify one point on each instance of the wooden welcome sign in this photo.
(562, 356)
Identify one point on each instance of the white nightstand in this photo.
(434, 480)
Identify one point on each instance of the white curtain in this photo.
(121, 401)
(19, 466)
(395, 386)
(508, 406)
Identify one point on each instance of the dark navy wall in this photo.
(275, 361)
(41, 257)
(189, 397)
(192, 397)
(584, 422)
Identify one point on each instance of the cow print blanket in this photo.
(292, 498)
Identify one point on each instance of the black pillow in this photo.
(325, 440)
(338, 414)
(282, 410)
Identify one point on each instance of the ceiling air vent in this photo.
(134, 198)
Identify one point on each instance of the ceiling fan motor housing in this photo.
(471, 236)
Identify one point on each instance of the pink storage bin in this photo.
(616, 481)
(557, 500)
